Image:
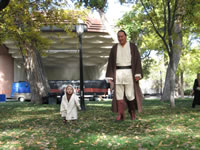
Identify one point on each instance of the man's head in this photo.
(198, 76)
(121, 37)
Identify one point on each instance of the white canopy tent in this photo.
(64, 50)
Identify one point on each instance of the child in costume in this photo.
(69, 105)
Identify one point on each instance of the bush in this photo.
(188, 92)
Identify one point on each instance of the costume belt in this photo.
(123, 67)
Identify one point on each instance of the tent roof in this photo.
(96, 45)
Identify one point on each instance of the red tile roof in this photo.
(95, 25)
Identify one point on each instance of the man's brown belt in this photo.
(123, 67)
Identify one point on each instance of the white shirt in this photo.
(124, 76)
(123, 55)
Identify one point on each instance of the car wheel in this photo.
(21, 99)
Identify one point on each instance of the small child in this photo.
(69, 105)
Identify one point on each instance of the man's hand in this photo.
(198, 88)
(137, 78)
(111, 84)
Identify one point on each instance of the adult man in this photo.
(124, 71)
(196, 91)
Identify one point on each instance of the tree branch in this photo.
(156, 30)
(174, 14)
(165, 18)
(169, 27)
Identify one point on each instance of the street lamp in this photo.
(80, 29)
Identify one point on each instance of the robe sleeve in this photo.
(111, 64)
(138, 64)
(195, 85)
(77, 102)
(62, 107)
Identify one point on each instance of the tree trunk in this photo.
(173, 68)
(36, 75)
(169, 87)
(166, 90)
(182, 86)
(177, 86)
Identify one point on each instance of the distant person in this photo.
(109, 93)
(124, 71)
(196, 91)
(69, 105)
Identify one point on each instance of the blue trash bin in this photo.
(20, 87)
(2, 97)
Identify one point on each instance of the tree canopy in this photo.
(21, 22)
(164, 23)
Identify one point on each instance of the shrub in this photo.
(188, 92)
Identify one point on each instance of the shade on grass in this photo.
(27, 126)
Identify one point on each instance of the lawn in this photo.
(33, 127)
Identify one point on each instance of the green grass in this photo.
(158, 127)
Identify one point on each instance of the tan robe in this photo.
(136, 69)
(69, 109)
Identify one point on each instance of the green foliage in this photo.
(22, 21)
(191, 15)
(147, 63)
(137, 23)
(27, 126)
(189, 62)
(188, 92)
(139, 31)
(94, 4)
(195, 60)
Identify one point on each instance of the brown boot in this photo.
(131, 107)
(121, 114)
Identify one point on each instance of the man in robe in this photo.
(196, 91)
(124, 71)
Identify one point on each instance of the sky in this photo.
(116, 10)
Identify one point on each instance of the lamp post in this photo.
(80, 28)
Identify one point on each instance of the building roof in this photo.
(96, 45)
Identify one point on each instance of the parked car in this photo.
(93, 89)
